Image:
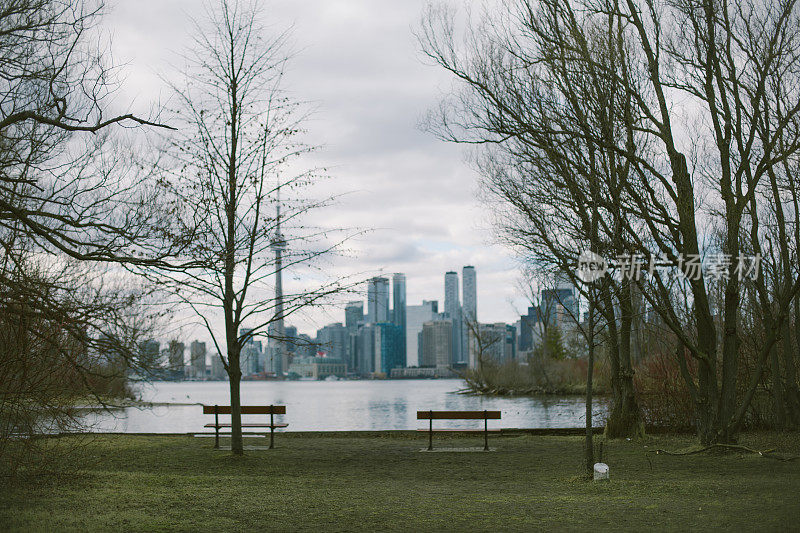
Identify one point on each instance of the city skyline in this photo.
(415, 193)
(397, 341)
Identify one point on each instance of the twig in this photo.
(765, 453)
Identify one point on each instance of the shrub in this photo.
(536, 375)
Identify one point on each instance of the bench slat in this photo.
(246, 409)
(461, 430)
(458, 415)
(248, 425)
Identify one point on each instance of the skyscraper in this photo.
(291, 338)
(497, 343)
(470, 304)
(416, 316)
(175, 359)
(387, 346)
(378, 300)
(353, 316)
(559, 306)
(333, 340)
(452, 309)
(197, 358)
(399, 310)
(149, 354)
(217, 368)
(437, 347)
(365, 350)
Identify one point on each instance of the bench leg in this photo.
(430, 433)
(485, 435)
(216, 427)
(271, 431)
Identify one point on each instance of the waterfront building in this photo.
(416, 316)
(365, 350)
(197, 360)
(175, 361)
(333, 340)
(149, 354)
(353, 317)
(496, 343)
(291, 339)
(378, 300)
(388, 348)
(531, 329)
(399, 315)
(469, 302)
(251, 360)
(217, 368)
(559, 306)
(452, 309)
(437, 343)
(317, 367)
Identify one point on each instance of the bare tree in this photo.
(69, 192)
(69, 335)
(602, 90)
(241, 206)
(548, 124)
(71, 206)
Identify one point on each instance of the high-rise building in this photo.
(333, 340)
(378, 300)
(388, 348)
(305, 346)
(399, 309)
(353, 316)
(175, 356)
(531, 329)
(469, 309)
(149, 354)
(365, 350)
(511, 342)
(470, 290)
(416, 316)
(497, 343)
(560, 306)
(251, 359)
(291, 338)
(246, 334)
(217, 368)
(197, 359)
(437, 344)
(452, 309)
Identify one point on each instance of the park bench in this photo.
(270, 410)
(459, 415)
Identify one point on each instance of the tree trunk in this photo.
(234, 380)
(589, 377)
(624, 420)
(706, 399)
(791, 353)
(778, 406)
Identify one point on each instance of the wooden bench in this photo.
(459, 415)
(270, 410)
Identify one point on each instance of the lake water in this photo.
(339, 406)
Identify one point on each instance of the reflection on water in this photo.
(339, 406)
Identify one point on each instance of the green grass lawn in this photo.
(352, 482)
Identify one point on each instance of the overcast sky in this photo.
(359, 63)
